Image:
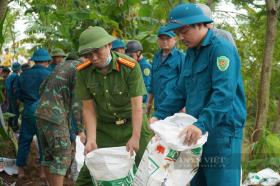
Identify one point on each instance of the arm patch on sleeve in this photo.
(147, 72)
(223, 63)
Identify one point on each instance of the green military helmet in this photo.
(58, 52)
(93, 38)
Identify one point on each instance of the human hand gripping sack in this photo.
(133, 145)
(152, 120)
(191, 134)
(90, 146)
(82, 137)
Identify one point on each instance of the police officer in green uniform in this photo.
(111, 87)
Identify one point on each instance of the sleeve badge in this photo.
(147, 71)
(222, 63)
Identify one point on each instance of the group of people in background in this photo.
(21, 89)
(110, 93)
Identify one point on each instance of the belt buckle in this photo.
(121, 121)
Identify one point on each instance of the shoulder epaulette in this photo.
(83, 65)
(126, 62)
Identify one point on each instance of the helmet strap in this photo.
(139, 56)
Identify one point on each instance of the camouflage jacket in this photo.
(58, 102)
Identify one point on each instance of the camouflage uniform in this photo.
(53, 114)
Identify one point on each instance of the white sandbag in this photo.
(265, 177)
(79, 158)
(167, 161)
(169, 129)
(111, 166)
(8, 165)
(79, 154)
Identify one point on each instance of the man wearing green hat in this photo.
(111, 87)
(211, 88)
(58, 56)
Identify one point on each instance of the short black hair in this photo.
(25, 66)
(6, 69)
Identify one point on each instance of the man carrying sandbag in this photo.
(111, 88)
(211, 89)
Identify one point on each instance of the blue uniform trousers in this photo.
(220, 163)
(14, 109)
(27, 131)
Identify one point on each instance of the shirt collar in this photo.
(171, 52)
(114, 64)
(207, 39)
(142, 60)
(39, 66)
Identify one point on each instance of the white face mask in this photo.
(108, 61)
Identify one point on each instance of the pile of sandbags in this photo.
(167, 160)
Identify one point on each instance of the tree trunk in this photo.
(3, 8)
(264, 87)
(276, 126)
(3, 13)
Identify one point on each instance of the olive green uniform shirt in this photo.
(112, 95)
(112, 92)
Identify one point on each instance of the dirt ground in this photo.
(32, 177)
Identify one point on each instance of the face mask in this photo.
(108, 61)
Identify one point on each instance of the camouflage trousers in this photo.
(56, 146)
